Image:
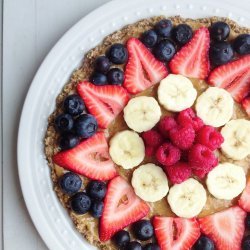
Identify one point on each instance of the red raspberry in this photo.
(182, 137)
(149, 151)
(201, 173)
(167, 154)
(179, 172)
(209, 137)
(188, 117)
(152, 138)
(165, 124)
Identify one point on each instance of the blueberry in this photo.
(220, 53)
(96, 208)
(70, 183)
(246, 243)
(68, 140)
(115, 76)
(64, 122)
(164, 50)
(182, 33)
(219, 31)
(247, 222)
(164, 28)
(151, 246)
(204, 243)
(85, 125)
(73, 105)
(102, 64)
(98, 79)
(133, 245)
(149, 38)
(121, 238)
(117, 53)
(96, 189)
(80, 203)
(242, 44)
(143, 229)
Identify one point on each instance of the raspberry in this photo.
(165, 124)
(201, 173)
(209, 137)
(182, 137)
(188, 117)
(167, 154)
(179, 172)
(149, 151)
(152, 138)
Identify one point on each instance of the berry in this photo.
(246, 105)
(219, 31)
(178, 172)
(143, 230)
(164, 50)
(115, 76)
(166, 124)
(96, 189)
(209, 137)
(242, 44)
(247, 222)
(96, 209)
(188, 117)
(70, 183)
(80, 203)
(152, 138)
(68, 141)
(182, 33)
(98, 79)
(182, 136)
(220, 53)
(149, 38)
(149, 151)
(204, 243)
(246, 243)
(64, 122)
(102, 64)
(85, 125)
(134, 245)
(201, 173)
(167, 154)
(121, 238)
(244, 201)
(151, 246)
(73, 105)
(163, 28)
(117, 53)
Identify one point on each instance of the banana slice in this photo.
(215, 106)
(236, 135)
(142, 113)
(187, 199)
(127, 149)
(150, 182)
(176, 93)
(226, 181)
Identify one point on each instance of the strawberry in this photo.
(225, 228)
(192, 60)
(121, 208)
(176, 233)
(246, 105)
(89, 158)
(143, 69)
(244, 201)
(104, 102)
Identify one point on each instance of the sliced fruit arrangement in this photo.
(246, 105)
(244, 200)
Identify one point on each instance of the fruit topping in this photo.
(96, 208)
(204, 243)
(242, 44)
(246, 243)
(121, 208)
(80, 203)
(166, 124)
(64, 122)
(143, 230)
(182, 33)
(164, 27)
(151, 246)
(219, 31)
(167, 154)
(73, 105)
(68, 140)
(115, 76)
(134, 245)
(117, 53)
(121, 238)
(244, 201)
(246, 105)
(70, 183)
(99, 79)
(247, 222)
(164, 50)
(149, 38)
(152, 138)
(149, 151)
(225, 228)
(96, 190)
(102, 64)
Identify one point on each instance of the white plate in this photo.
(49, 217)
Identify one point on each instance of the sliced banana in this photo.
(150, 182)
(226, 181)
(127, 149)
(215, 106)
(236, 135)
(142, 113)
(176, 93)
(187, 198)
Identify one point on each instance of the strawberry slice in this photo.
(90, 158)
(176, 233)
(104, 102)
(244, 201)
(121, 208)
(192, 60)
(225, 228)
(143, 69)
(246, 105)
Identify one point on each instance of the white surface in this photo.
(30, 29)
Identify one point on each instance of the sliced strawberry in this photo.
(225, 228)
(176, 233)
(143, 69)
(192, 60)
(90, 158)
(244, 201)
(246, 105)
(121, 208)
(104, 102)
